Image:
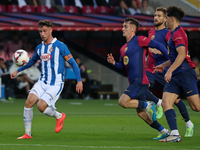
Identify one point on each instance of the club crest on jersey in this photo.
(45, 57)
(152, 37)
(51, 49)
(125, 49)
(126, 60)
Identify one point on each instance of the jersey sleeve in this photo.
(178, 39)
(143, 41)
(119, 64)
(168, 35)
(65, 52)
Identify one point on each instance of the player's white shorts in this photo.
(48, 93)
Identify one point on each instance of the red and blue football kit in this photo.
(161, 36)
(184, 77)
(133, 60)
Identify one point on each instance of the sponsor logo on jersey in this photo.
(45, 57)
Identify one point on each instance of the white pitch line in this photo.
(102, 147)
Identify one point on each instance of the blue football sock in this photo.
(171, 119)
(142, 104)
(157, 126)
(183, 110)
(151, 97)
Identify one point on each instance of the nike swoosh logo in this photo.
(189, 92)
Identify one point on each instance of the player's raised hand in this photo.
(110, 58)
(12, 75)
(79, 87)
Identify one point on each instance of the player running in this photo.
(162, 35)
(180, 76)
(132, 59)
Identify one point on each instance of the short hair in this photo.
(164, 10)
(47, 23)
(176, 12)
(133, 21)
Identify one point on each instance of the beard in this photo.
(158, 24)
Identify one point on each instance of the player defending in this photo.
(132, 59)
(180, 76)
(162, 35)
(46, 91)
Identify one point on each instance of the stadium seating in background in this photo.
(28, 8)
(42, 9)
(88, 10)
(71, 9)
(102, 10)
(112, 8)
(13, 8)
(2, 8)
(52, 10)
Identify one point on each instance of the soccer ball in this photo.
(21, 57)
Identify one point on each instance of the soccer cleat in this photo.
(171, 138)
(59, 123)
(151, 109)
(162, 135)
(25, 136)
(189, 131)
(159, 112)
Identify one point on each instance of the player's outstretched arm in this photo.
(13, 75)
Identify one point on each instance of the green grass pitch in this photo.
(89, 125)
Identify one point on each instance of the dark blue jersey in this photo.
(133, 58)
(179, 38)
(161, 36)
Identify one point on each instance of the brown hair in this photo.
(164, 10)
(47, 23)
(133, 21)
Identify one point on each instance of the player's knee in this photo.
(28, 104)
(122, 103)
(139, 114)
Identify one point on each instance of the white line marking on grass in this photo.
(75, 103)
(102, 147)
(110, 104)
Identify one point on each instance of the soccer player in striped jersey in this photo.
(180, 76)
(52, 54)
(132, 59)
(162, 35)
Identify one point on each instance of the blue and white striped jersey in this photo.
(52, 61)
(52, 58)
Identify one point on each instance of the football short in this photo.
(48, 93)
(183, 82)
(156, 77)
(137, 91)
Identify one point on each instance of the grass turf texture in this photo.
(93, 124)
